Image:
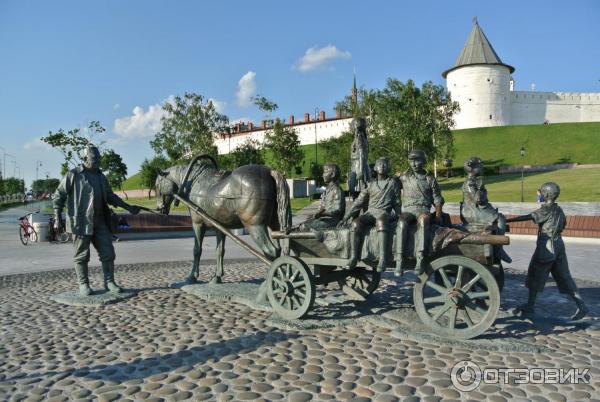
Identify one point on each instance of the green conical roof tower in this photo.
(477, 51)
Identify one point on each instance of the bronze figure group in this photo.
(393, 212)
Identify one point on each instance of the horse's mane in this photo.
(177, 172)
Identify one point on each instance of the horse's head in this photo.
(165, 190)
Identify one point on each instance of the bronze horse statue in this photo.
(253, 197)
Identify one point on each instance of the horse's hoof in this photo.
(190, 280)
(216, 280)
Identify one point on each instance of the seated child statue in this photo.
(333, 205)
(475, 209)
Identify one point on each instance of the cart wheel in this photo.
(63, 237)
(363, 280)
(290, 287)
(460, 308)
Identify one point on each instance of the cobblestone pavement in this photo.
(164, 344)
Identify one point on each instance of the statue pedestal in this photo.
(98, 298)
(243, 293)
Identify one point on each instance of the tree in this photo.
(403, 117)
(284, 145)
(113, 167)
(249, 152)
(265, 105)
(337, 150)
(188, 127)
(13, 185)
(44, 186)
(149, 171)
(72, 143)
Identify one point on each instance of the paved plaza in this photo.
(166, 344)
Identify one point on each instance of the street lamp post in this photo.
(316, 120)
(522, 158)
(38, 163)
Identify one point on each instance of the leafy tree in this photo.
(265, 105)
(403, 117)
(113, 167)
(188, 127)
(249, 152)
(284, 145)
(13, 185)
(337, 150)
(44, 186)
(149, 171)
(72, 143)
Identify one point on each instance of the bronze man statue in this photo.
(420, 191)
(86, 194)
(382, 196)
(333, 205)
(360, 174)
(550, 255)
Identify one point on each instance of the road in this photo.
(583, 254)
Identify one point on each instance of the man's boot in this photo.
(356, 250)
(383, 250)
(420, 263)
(401, 263)
(108, 268)
(81, 271)
(582, 309)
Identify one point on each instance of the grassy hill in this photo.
(544, 144)
(133, 182)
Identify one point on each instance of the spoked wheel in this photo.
(63, 237)
(363, 280)
(290, 287)
(467, 302)
(24, 236)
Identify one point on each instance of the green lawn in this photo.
(575, 185)
(544, 144)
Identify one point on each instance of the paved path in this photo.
(166, 345)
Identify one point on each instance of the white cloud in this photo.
(246, 89)
(116, 106)
(316, 58)
(219, 105)
(36, 144)
(142, 123)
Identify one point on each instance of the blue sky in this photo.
(65, 63)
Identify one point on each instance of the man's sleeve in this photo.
(437, 193)
(111, 197)
(539, 216)
(360, 201)
(60, 195)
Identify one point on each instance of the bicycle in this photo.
(59, 236)
(26, 231)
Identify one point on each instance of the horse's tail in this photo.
(284, 210)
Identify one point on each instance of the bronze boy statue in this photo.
(86, 194)
(420, 191)
(360, 173)
(382, 196)
(550, 256)
(333, 206)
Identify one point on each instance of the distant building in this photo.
(479, 81)
(484, 87)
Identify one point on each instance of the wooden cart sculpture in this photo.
(458, 296)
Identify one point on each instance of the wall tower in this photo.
(480, 82)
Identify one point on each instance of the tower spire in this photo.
(354, 92)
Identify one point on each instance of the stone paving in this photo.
(165, 344)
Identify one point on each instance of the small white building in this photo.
(484, 88)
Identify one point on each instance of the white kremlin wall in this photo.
(308, 132)
(554, 107)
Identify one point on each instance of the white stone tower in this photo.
(480, 83)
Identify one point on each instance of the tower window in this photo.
(490, 117)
